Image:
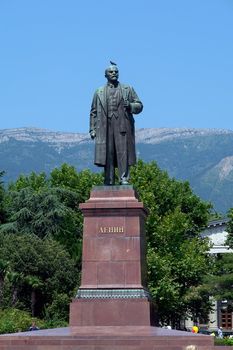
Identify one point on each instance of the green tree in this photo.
(15, 281)
(2, 199)
(67, 177)
(3, 271)
(35, 283)
(39, 270)
(34, 181)
(229, 240)
(220, 282)
(176, 255)
(49, 212)
(49, 206)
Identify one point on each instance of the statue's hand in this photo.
(127, 104)
(93, 134)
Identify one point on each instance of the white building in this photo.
(217, 233)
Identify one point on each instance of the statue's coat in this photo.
(98, 122)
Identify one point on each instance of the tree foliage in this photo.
(49, 213)
(220, 282)
(229, 240)
(48, 207)
(177, 259)
(37, 270)
(2, 199)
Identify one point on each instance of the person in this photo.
(112, 126)
(220, 333)
(33, 327)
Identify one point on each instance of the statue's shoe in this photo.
(124, 182)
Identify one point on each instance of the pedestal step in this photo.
(106, 338)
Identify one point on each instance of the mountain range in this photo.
(204, 157)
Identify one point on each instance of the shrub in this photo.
(14, 320)
(224, 341)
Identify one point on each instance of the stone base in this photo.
(110, 312)
(106, 338)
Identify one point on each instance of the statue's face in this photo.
(112, 74)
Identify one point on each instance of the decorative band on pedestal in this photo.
(113, 294)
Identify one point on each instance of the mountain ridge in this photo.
(204, 157)
(144, 135)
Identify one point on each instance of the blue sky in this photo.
(178, 55)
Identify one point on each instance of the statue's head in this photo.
(112, 73)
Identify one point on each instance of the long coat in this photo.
(99, 118)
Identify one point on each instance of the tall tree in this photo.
(229, 240)
(3, 270)
(49, 206)
(81, 182)
(220, 282)
(177, 259)
(36, 207)
(2, 199)
(39, 269)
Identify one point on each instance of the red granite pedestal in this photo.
(112, 308)
(113, 286)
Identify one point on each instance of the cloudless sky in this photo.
(177, 54)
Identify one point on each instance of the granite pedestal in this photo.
(113, 286)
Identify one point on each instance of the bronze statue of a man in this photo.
(112, 126)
